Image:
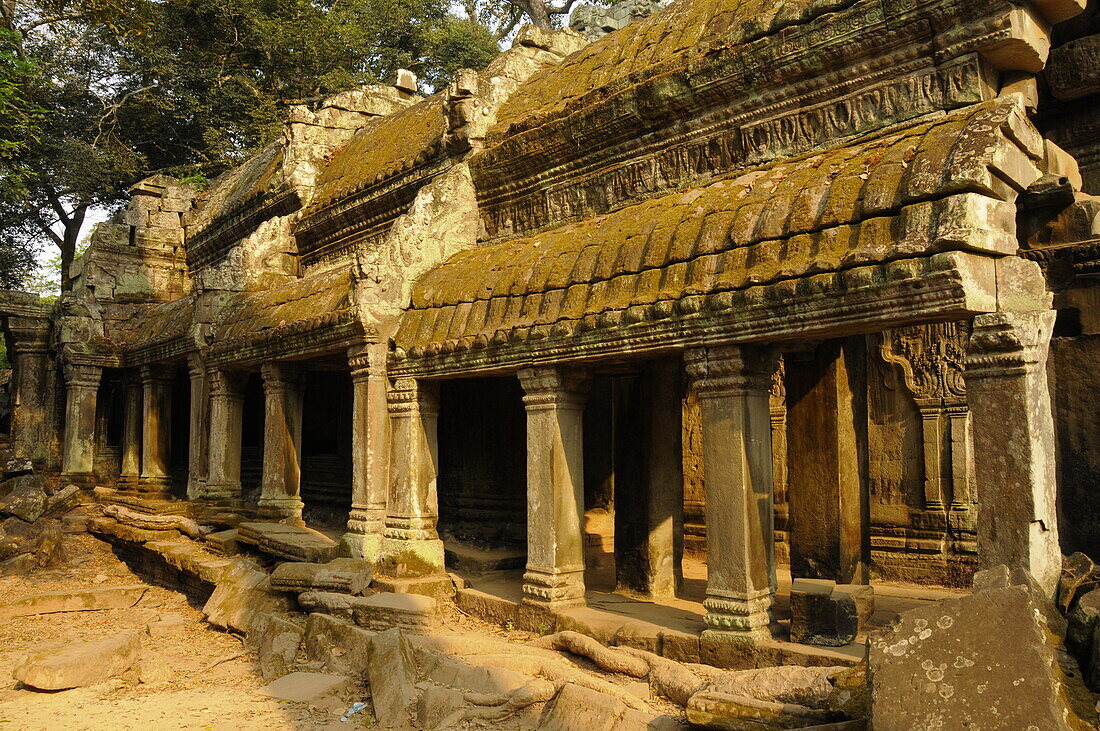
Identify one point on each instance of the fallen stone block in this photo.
(439, 707)
(343, 575)
(288, 541)
(1001, 577)
(379, 612)
(339, 646)
(1079, 576)
(301, 687)
(63, 500)
(77, 665)
(576, 707)
(829, 614)
(76, 600)
(17, 467)
(982, 661)
(223, 541)
(392, 673)
(439, 587)
(20, 565)
(242, 594)
(276, 641)
(27, 500)
(809, 687)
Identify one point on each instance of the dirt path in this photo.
(223, 697)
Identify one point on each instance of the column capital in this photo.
(157, 373)
(1009, 343)
(366, 361)
(227, 384)
(552, 385)
(29, 334)
(731, 368)
(82, 376)
(406, 395)
(281, 376)
(195, 366)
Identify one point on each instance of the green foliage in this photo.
(184, 87)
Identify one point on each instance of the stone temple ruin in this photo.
(743, 288)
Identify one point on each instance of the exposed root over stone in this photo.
(606, 658)
(133, 518)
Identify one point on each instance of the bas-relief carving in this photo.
(930, 360)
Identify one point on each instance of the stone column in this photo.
(369, 440)
(280, 495)
(826, 461)
(555, 486)
(131, 432)
(649, 481)
(732, 383)
(30, 368)
(156, 436)
(1013, 428)
(78, 450)
(199, 421)
(412, 511)
(223, 479)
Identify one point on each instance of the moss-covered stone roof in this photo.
(238, 187)
(162, 323)
(314, 300)
(611, 62)
(934, 186)
(382, 149)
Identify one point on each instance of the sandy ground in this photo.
(209, 685)
(193, 697)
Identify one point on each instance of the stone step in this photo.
(288, 541)
(378, 612)
(342, 575)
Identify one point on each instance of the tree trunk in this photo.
(69, 240)
(538, 11)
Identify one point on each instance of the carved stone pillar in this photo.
(223, 479)
(412, 508)
(280, 495)
(555, 486)
(156, 442)
(199, 421)
(1006, 383)
(369, 440)
(827, 462)
(649, 479)
(30, 367)
(131, 432)
(732, 384)
(78, 456)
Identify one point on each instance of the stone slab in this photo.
(77, 600)
(241, 595)
(379, 612)
(302, 687)
(729, 712)
(223, 541)
(291, 542)
(344, 575)
(276, 641)
(829, 614)
(392, 673)
(438, 587)
(953, 661)
(80, 664)
(576, 707)
(485, 606)
(338, 645)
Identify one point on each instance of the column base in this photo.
(556, 589)
(215, 492)
(748, 619)
(411, 557)
(127, 483)
(281, 509)
(195, 488)
(158, 486)
(367, 546)
(83, 480)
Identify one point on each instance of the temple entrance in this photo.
(482, 474)
(110, 415)
(634, 485)
(180, 448)
(326, 449)
(252, 438)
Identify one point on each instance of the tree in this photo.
(186, 87)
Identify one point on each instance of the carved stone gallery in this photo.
(754, 313)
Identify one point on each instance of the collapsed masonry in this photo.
(741, 284)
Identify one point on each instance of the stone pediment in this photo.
(754, 253)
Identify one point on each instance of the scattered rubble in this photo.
(73, 666)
